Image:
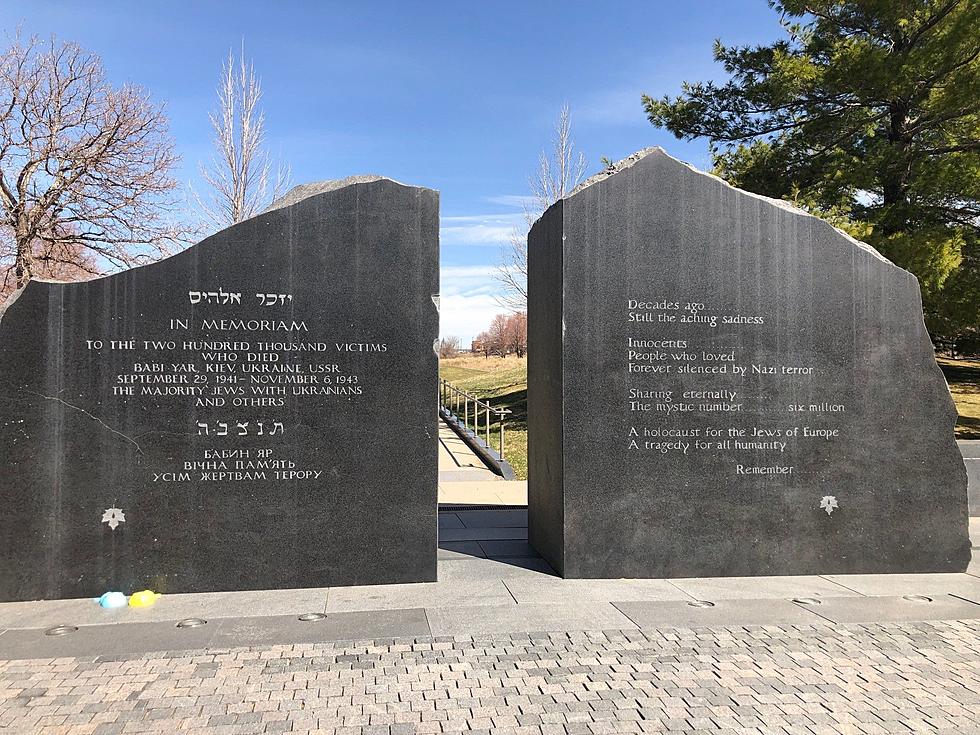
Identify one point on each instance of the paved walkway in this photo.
(457, 462)
(500, 644)
(808, 679)
(484, 492)
(465, 480)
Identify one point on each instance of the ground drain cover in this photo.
(917, 598)
(192, 623)
(306, 617)
(806, 600)
(701, 603)
(457, 507)
(61, 630)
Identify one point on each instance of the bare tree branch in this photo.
(59, 258)
(241, 174)
(559, 172)
(81, 163)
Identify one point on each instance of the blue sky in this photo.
(456, 96)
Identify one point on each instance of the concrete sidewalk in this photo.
(482, 492)
(465, 480)
(457, 462)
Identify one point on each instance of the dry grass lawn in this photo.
(502, 382)
(963, 377)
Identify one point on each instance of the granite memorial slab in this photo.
(258, 411)
(723, 385)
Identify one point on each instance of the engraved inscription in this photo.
(687, 370)
(236, 382)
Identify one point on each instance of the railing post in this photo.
(450, 398)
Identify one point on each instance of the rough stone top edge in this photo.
(304, 191)
(634, 158)
(621, 165)
(9, 301)
(294, 196)
(17, 293)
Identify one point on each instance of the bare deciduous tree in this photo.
(85, 168)
(241, 174)
(559, 172)
(484, 344)
(448, 347)
(497, 334)
(516, 333)
(506, 335)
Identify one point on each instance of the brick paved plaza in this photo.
(873, 678)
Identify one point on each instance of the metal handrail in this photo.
(452, 399)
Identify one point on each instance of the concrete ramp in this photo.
(457, 462)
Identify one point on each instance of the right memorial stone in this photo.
(720, 384)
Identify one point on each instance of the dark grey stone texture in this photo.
(297, 445)
(708, 369)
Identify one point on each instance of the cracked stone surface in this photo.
(226, 399)
(805, 680)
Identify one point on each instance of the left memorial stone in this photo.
(258, 411)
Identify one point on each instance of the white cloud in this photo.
(453, 274)
(466, 315)
(520, 201)
(469, 301)
(471, 280)
(480, 229)
(867, 198)
(470, 295)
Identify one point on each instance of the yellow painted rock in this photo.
(144, 598)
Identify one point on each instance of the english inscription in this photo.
(690, 392)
